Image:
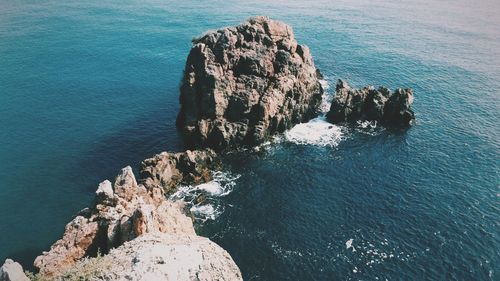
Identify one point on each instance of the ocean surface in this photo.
(88, 87)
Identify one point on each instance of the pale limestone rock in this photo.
(104, 191)
(162, 256)
(12, 271)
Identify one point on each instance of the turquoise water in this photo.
(87, 88)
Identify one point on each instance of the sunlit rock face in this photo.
(161, 256)
(242, 84)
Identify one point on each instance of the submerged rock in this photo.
(244, 83)
(12, 271)
(381, 105)
(128, 209)
(160, 256)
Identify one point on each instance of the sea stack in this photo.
(242, 84)
(391, 109)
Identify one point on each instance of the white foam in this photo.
(324, 83)
(205, 212)
(368, 128)
(222, 184)
(211, 187)
(326, 97)
(367, 124)
(266, 146)
(317, 132)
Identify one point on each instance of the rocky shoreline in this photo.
(241, 85)
(133, 220)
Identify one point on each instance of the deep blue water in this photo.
(87, 88)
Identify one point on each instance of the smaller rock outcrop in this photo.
(128, 209)
(391, 109)
(244, 83)
(12, 271)
(160, 256)
(167, 170)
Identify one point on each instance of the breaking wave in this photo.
(317, 132)
(203, 200)
(368, 128)
(326, 98)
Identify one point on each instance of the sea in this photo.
(89, 87)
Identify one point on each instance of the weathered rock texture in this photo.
(12, 271)
(127, 209)
(170, 169)
(160, 256)
(244, 83)
(381, 105)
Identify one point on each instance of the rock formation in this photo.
(169, 169)
(12, 271)
(389, 108)
(244, 83)
(160, 256)
(128, 209)
(241, 84)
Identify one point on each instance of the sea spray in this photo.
(203, 200)
(316, 132)
(326, 98)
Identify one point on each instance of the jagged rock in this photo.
(128, 209)
(79, 235)
(126, 185)
(12, 271)
(398, 108)
(381, 105)
(169, 169)
(104, 192)
(244, 83)
(160, 256)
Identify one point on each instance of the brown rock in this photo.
(389, 108)
(245, 83)
(126, 185)
(169, 169)
(79, 235)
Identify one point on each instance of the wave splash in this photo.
(203, 200)
(317, 132)
(326, 97)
